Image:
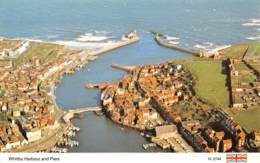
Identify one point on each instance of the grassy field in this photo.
(210, 82)
(254, 48)
(248, 119)
(241, 67)
(235, 51)
(249, 50)
(43, 51)
(244, 79)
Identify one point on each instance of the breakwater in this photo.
(114, 46)
(164, 43)
(124, 68)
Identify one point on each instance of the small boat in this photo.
(149, 145)
(89, 86)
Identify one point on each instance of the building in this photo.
(226, 145)
(165, 131)
(233, 128)
(256, 136)
(33, 134)
(2, 146)
(13, 142)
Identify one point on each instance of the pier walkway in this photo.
(124, 68)
(164, 43)
(114, 46)
(70, 114)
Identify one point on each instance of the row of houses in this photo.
(224, 136)
(232, 128)
(152, 89)
(26, 98)
(10, 138)
(206, 139)
(125, 105)
(172, 89)
(130, 101)
(245, 88)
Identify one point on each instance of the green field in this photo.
(235, 51)
(254, 48)
(46, 52)
(210, 82)
(241, 67)
(244, 79)
(247, 50)
(248, 119)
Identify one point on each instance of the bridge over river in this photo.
(70, 113)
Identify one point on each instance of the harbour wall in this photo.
(165, 44)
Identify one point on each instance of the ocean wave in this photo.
(198, 46)
(33, 40)
(96, 36)
(52, 36)
(257, 37)
(171, 38)
(208, 43)
(252, 23)
(85, 45)
(102, 32)
(220, 47)
(204, 46)
(255, 20)
(92, 45)
(210, 47)
(174, 42)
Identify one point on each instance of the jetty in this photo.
(72, 112)
(124, 68)
(130, 38)
(162, 41)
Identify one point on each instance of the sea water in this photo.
(198, 24)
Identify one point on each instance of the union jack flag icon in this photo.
(236, 158)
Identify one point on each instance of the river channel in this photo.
(98, 133)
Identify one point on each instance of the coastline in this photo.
(70, 69)
(63, 126)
